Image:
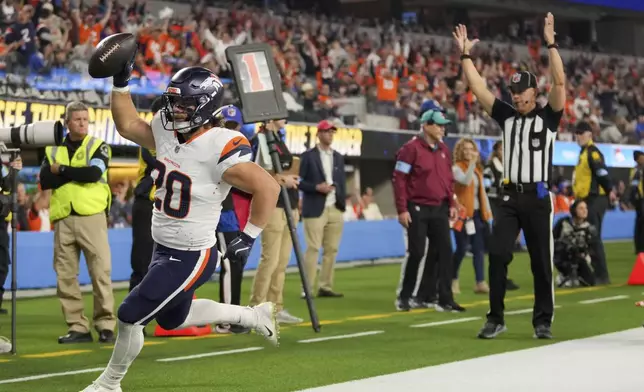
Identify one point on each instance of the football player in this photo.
(195, 168)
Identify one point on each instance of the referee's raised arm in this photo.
(557, 96)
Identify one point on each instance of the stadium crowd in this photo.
(324, 60)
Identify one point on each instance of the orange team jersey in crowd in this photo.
(417, 81)
(92, 34)
(387, 88)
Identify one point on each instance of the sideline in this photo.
(321, 389)
(615, 359)
(367, 317)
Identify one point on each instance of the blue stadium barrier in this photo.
(361, 240)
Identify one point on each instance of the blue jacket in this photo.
(312, 174)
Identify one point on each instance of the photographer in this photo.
(5, 209)
(575, 238)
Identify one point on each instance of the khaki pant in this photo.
(89, 234)
(268, 284)
(323, 232)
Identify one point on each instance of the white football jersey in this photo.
(190, 189)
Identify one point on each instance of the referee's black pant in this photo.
(597, 206)
(142, 243)
(4, 257)
(231, 274)
(428, 222)
(534, 215)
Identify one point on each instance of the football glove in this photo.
(239, 249)
(122, 78)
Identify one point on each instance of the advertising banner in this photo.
(349, 141)
(101, 124)
(154, 83)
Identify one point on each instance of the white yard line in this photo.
(604, 299)
(212, 354)
(445, 322)
(50, 375)
(349, 336)
(524, 311)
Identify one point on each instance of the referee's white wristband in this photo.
(122, 90)
(252, 231)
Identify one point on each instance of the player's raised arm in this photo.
(125, 115)
(557, 96)
(474, 80)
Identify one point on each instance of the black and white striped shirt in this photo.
(528, 142)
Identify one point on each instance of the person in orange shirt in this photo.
(564, 198)
(418, 81)
(387, 83)
(88, 30)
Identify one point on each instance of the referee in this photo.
(528, 133)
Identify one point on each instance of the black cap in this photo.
(521, 81)
(582, 127)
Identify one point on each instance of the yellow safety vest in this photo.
(84, 198)
(584, 182)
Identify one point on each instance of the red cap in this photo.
(326, 125)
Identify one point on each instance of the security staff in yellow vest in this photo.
(77, 173)
(637, 199)
(142, 243)
(592, 184)
(6, 184)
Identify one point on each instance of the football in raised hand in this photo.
(111, 55)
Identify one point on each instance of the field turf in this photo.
(368, 306)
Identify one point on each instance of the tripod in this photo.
(14, 152)
(573, 278)
(275, 159)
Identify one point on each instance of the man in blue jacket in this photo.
(323, 184)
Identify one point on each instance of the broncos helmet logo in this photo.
(211, 81)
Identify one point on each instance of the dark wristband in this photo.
(553, 46)
(465, 56)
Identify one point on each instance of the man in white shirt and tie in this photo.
(323, 185)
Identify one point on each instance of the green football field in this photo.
(383, 340)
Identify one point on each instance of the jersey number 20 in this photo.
(185, 184)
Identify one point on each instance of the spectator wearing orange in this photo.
(89, 32)
(564, 198)
(469, 189)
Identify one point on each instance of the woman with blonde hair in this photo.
(470, 190)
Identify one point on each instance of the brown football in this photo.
(111, 55)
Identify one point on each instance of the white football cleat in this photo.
(97, 388)
(5, 345)
(267, 324)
